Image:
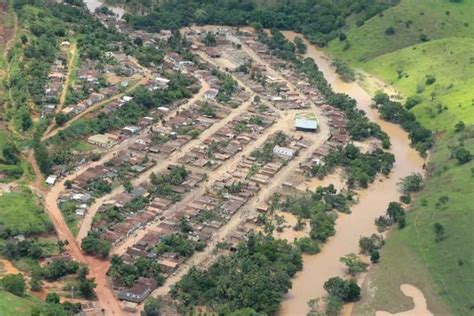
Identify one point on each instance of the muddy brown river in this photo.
(373, 202)
(94, 4)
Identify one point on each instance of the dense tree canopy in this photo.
(256, 276)
(14, 283)
(421, 137)
(318, 20)
(92, 244)
(361, 168)
(127, 274)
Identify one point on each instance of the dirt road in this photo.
(97, 268)
(249, 208)
(64, 90)
(37, 185)
(67, 82)
(53, 131)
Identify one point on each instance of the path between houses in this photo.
(64, 90)
(98, 268)
(244, 212)
(160, 166)
(96, 106)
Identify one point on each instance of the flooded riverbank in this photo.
(419, 300)
(373, 202)
(94, 4)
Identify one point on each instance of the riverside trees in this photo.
(361, 168)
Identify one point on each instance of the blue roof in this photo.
(306, 123)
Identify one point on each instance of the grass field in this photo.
(404, 61)
(428, 17)
(21, 213)
(14, 305)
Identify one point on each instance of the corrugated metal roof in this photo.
(306, 123)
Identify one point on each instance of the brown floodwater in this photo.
(308, 284)
(288, 232)
(419, 300)
(94, 4)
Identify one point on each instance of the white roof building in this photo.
(131, 129)
(284, 152)
(306, 123)
(162, 80)
(51, 180)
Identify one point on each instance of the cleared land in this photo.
(449, 61)
(21, 213)
(404, 60)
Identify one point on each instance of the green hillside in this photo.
(403, 59)
(450, 61)
(409, 19)
(391, 47)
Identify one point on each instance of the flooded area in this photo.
(335, 178)
(94, 4)
(420, 309)
(288, 231)
(307, 284)
(373, 202)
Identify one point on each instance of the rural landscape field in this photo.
(241, 158)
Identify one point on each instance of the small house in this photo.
(51, 180)
(211, 94)
(306, 123)
(131, 130)
(139, 291)
(101, 140)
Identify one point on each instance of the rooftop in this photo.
(306, 121)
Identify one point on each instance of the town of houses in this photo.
(233, 151)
